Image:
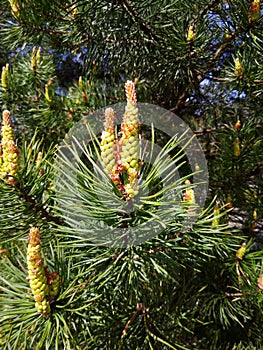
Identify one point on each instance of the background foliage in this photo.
(178, 291)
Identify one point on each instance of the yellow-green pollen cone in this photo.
(44, 284)
(36, 271)
(9, 166)
(107, 145)
(129, 142)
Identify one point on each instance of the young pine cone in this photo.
(37, 275)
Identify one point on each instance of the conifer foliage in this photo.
(196, 286)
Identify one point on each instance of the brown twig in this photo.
(144, 27)
(257, 81)
(37, 206)
(209, 7)
(4, 10)
(141, 309)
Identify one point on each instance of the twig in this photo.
(231, 80)
(209, 7)
(4, 10)
(141, 309)
(38, 207)
(44, 30)
(144, 27)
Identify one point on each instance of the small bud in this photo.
(15, 8)
(38, 162)
(80, 82)
(197, 167)
(39, 158)
(227, 35)
(5, 76)
(241, 251)
(53, 281)
(190, 34)
(189, 195)
(84, 97)
(4, 252)
(229, 202)
(47, 96)
(236, 147)
(252, 226)
(34, 59)
(260, 282)
(216, 213)
(38, 56)
(237, 125)
(254, 11)
(74, 10)
(238, 68)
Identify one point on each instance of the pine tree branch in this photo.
(198, 78)
(54, 17)
(139, 311)
(37, 206)
(228, 41)
(257, 81)
(42, 29)
(205, 10)
(125, 4)
(4, 10)
(210, 130)
(209, 7)
(183, 97)
(221, 47)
